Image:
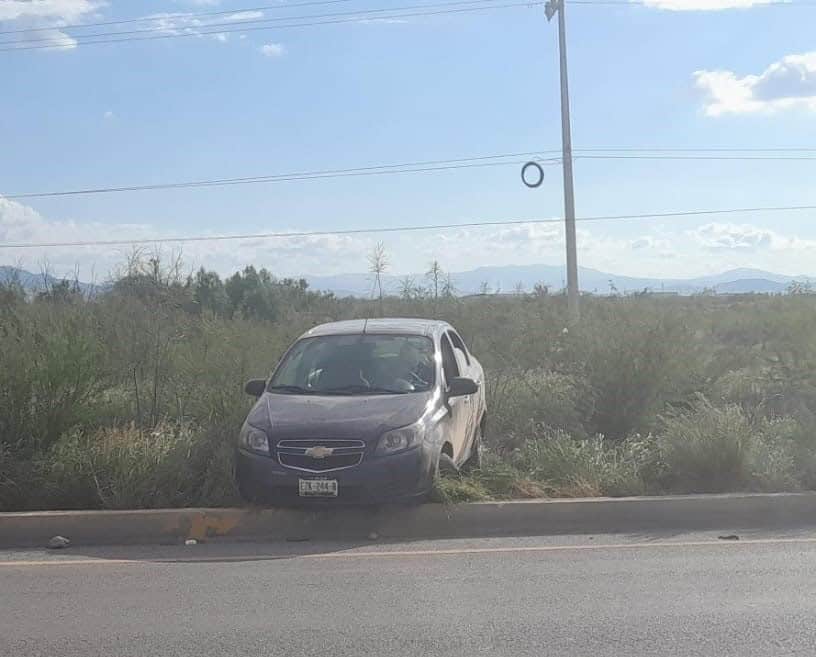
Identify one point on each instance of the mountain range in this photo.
(507, 278)
(31, 282)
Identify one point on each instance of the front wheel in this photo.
(446, 466)
(474, 461)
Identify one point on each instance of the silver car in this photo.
(363, 411)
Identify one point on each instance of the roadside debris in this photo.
(58, 543)
(729, 537)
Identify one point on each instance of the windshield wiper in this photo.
(358, 388)
(292, 390)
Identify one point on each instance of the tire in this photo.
(474, 461)
(446, 467)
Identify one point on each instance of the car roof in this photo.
(400, 325)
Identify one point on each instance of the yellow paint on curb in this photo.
(203, 525)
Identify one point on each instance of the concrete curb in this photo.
(518, 518)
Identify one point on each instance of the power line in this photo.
(427, 166)
(400, 229)
(740, 158)
(253, 21)
(653, 5)
(381, 169)
(783, 149)
(310, 3)
(71, 41)
(188, 15)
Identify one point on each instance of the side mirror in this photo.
(461, 386)
(256, 387)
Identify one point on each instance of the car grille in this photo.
(345, 454)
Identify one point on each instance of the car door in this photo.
(467, 369)
(458, 407)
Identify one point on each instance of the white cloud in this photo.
(748, 238)
(717, 236)
(21, 224)
(787, 84)
(41, 14)
(243, 16)
(704, 5)
(708, 248)
(178, 23)
(273, 49)
(649, 242)
(65, 11)
(108, 115)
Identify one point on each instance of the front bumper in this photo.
(396, 478)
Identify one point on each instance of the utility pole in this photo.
(551, 8)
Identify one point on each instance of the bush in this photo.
(579, 467)
(521, 401)
(635, 358)
(453, 490)
(134, 397)
(52, 370)
(711, 450)
(121, 468)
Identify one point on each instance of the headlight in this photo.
(401, 439)
(253, 439)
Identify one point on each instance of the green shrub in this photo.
(520, 401)
(706, 450)
(134, 398)
(120, 468)
(791, 459)
(453, 490)
(579, 467)
(52, 370)
(711, 449)
(636, 357)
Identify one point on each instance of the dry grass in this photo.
(135, 398)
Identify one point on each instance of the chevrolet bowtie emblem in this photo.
(319, 452)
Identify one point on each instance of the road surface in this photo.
(601, 596)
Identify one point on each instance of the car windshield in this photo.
(356, 365)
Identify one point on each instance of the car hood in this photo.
(346, 417)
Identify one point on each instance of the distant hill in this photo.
(33, 283)
(505, 279)
(748, 285)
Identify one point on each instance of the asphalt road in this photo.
(615, 596)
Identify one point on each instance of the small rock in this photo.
(58, 542)
(373, 536)
(729, 537)
(191, 541)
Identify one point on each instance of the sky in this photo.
(230, 100)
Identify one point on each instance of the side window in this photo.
(458, 344)
(449, 366)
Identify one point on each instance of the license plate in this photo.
(317, 487)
